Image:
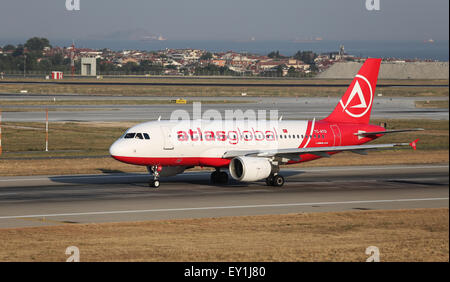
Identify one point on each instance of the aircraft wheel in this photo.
(278, 181)
(269, 181)
(154, 183)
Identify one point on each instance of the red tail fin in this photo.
(356, 104)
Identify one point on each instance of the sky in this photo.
(235, 20)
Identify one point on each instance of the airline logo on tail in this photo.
(356, 104)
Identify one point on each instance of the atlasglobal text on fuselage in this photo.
(231, 136)
(253, 150)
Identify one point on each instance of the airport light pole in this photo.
(46, 130)
(24, 64)
(0, 132)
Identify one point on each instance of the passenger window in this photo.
(146, 136)
(139, 136)
(129, 135)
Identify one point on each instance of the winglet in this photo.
(413, 144)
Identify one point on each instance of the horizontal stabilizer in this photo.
(387, 131)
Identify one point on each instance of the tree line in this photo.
(30, 57)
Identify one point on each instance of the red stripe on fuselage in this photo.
(191, 161)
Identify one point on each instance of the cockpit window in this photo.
(141, 136)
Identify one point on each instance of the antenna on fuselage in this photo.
(280, 118)
(159, 119)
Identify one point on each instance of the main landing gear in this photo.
(275, 180)
(154, 183)
(219, 177)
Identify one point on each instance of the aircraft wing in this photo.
(294, 153)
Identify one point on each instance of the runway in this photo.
(55, 200)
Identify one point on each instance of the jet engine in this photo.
(250, 168)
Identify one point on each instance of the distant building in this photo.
(86, 52)
(218, 62)
(297, 64)
(88, 66)
(129, 60)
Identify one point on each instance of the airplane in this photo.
(254, 153)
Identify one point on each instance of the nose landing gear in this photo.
(154, 183)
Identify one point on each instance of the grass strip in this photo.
(400, 235)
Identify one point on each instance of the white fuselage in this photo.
(208, 139)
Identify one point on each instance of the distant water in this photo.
(438, 50)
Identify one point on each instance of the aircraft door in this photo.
(337, 135)
(167, 143)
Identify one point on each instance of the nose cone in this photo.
(117, 149)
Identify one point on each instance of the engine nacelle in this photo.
(169, 170)
(250, 168)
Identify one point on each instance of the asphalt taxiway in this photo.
(72, 199)
(210, 84)
(289, 108)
